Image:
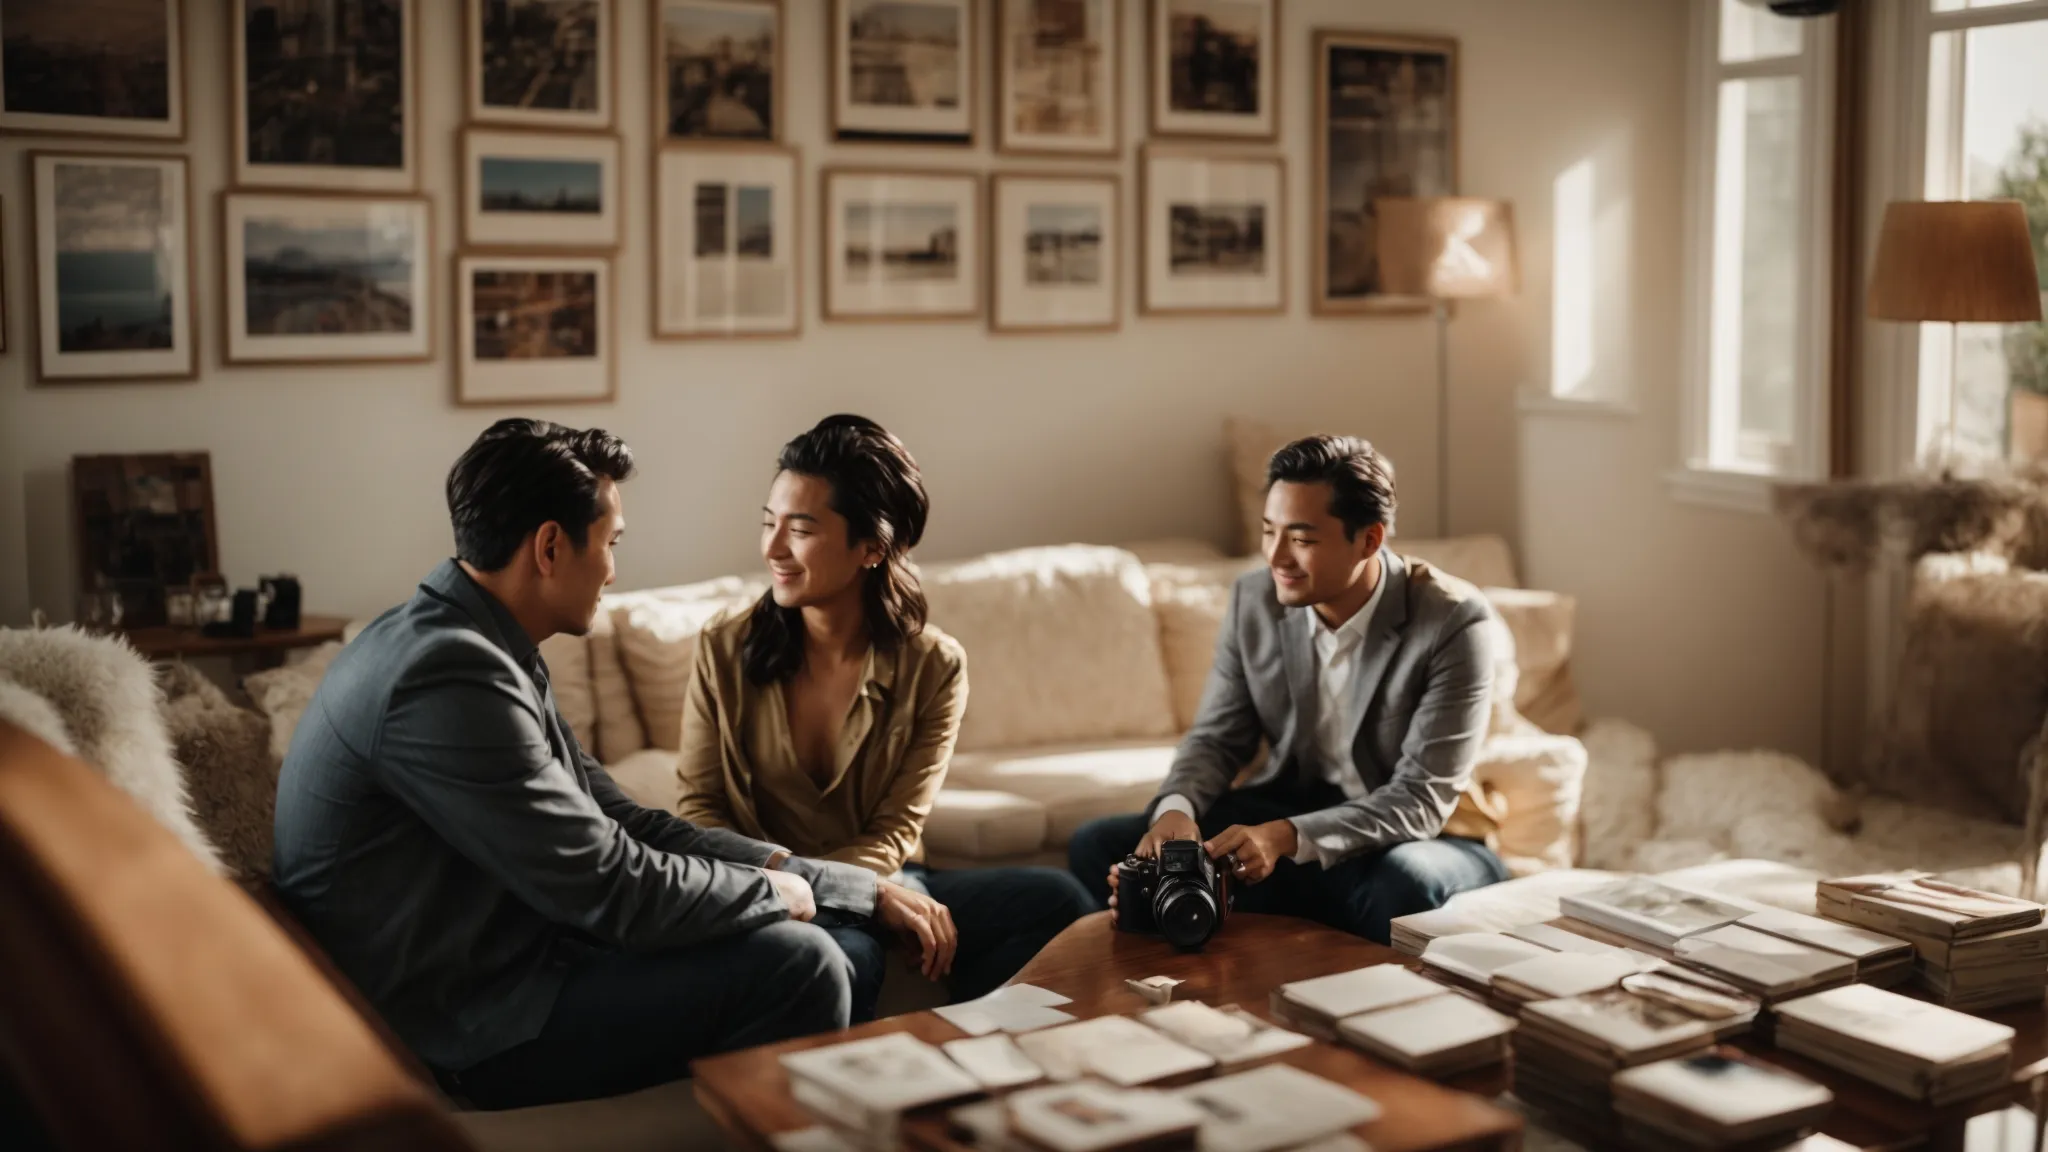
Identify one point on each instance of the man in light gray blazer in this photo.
(1370, 678)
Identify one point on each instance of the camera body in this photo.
(1182, 896)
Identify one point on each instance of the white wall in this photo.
(1690, 620)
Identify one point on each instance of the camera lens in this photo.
(1186, 913)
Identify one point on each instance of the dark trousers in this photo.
(1359, 895)
(629, 1020)
(1003, 917)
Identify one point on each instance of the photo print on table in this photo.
(540, 189)
(903, 71)
(1056, 77)
(540, 63)
(113, 270)
(109, 68)
(534, 329)
(316, 278)
(324, 94)
(726, 254)
(1215, 68)
(717, 70)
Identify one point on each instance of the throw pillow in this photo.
(1540, 779)
(615, 719)
(1542, 626)
(657, 641)
(229, 769)
(568, 661)
(283, 693)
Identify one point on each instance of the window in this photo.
(1986, 138)
(1757, 375)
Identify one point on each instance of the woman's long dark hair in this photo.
(877, 488)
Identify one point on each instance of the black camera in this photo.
(1182, 896)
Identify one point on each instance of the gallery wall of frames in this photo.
(328, 240)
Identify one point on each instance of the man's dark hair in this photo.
(1361, 480)
(877, 488)
(522, 473)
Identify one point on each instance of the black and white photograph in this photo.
(540, 189)
(113, 267)
(324, 94)
(1214, 68)
(1056, 243)
(1213, 238)
(533, 329)
(903, 70)
(902, 245)
(540, 63)
(1056, 77)
(108, 68)
(726, 250)
(1386, 125)
(718, 70)
(313, 278)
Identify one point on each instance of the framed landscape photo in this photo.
(534, 329)
(1386, 124)
(717, 69)
(1215, 68)
(539, 190)
(110, 68)
(1056, 76)
(540, 63)
(1057, 240)
(113, 278)
(314, 278)
(324, 94)
(902, 245)
(726, 249)
(1214, 235)
(903, 70)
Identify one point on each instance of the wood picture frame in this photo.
(53, 18)
(283, 151)
(933, 246)
(485, 79)
(535, 346)
(1202, 249)
(1200, 93)
(1045, 274)
(525, 190)
(1054, 68)
(124, 329)
(1351, 154)
(144, 523)
(297, 254)
(900, 93)
(684, 265)
(3, 276)
(734, 117)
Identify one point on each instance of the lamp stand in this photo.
(1442, 310)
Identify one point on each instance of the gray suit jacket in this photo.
(445, 838)
(1423, 703)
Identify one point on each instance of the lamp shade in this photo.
(1964, 261)
(1449, 247)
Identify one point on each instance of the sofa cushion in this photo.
(1190, 601)
(1062, 646)
(616, 719)
(1175, 550)
(1541, 623)
(282, 693)
(229, 770)
(1539, 777)
(656, 636)
(1486, 561)
(649, 778)
(975, 824)
(1074, 783)
(568, 661)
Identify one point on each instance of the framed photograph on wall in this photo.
(903, 71)
(112, 68)
(325, 95)
(1057, 241)
(534, 329)
(717, 69)
(726, 259)
(1215, 69)
(539, 190)
(3, 276)
(901, 245)
(1386, 124)
(540, 63)
(1056, 77)
(313, 278)
(1215, 235)
(113, 278)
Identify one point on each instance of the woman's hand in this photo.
(912, 912)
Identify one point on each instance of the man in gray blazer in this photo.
(1369, 677)
(532, 933)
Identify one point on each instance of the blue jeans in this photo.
(1360, 895)
(1003, 917)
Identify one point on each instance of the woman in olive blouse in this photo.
(823, 718)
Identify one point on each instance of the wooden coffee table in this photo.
(748, 1093)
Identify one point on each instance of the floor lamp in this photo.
(1445, 248)
(1960, 261)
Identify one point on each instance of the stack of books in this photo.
(1908, 1046)
(1444, 1035)
(1726, 1009)
(1236, 1039)
(1974, 950)
(1652, 913)
(1881, 960)
(1315, 1006)
(1262, 1110)
(1718, 1099)
(1117, 1049)
(862, 1089)
(1771, 968)
(1558, 975)
(1088, 1116)
(1567, 1051)
(1563, 936)
(1412, 933)
(1469, 960)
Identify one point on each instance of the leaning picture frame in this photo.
(717, 70)
(534, 328)
(358, 129)
(539, 64)
(1213, 69)
(122, 64)
(728, 254)
(326, 278)
(541, 189)
(902, 73)
(1213, 233)
(1057, 77)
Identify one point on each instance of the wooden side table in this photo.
(268, 646)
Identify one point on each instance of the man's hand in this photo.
(909, 911)
(795, 892)
(1172, 825)
(1258, 847)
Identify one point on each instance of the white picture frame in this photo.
(492, 72)
(352, 274)
(282, 147)
(901, 244)
(1214, 239)
(523, 190)
(1202, 92)
(123, 224)
(903, 71)
(1058, 84)
(727, 249)
(1056, 241)
(513, 343)
(120, 121)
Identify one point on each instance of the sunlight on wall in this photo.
(1571, 291)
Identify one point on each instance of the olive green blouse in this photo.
(739, 766)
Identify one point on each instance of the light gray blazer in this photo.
(1423, 705)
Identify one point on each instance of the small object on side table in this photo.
(241, 624)
(1155, 989)
(283, 591)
